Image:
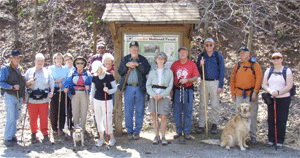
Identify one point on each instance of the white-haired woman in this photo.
(60, 74)
(108, 62)
(277, 81)
(159, 86)
(103, 86)
(42, 84)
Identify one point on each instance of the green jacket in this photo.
(167, 81)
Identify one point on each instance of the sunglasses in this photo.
(276, 58)
(79, 63)
(209, 45)
(100, 47)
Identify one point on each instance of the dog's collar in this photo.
(244, 117)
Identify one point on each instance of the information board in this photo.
(150, 44)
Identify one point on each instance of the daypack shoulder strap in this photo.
(270, 72)
(239, 65)
(284, 72)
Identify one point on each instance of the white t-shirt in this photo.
(159, 74)
(277, 82)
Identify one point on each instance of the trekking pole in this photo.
(59, 101)
(106, 114)
(203, 74)
(275, 119)
(156, 110)
(29, 93)
(182, 140)
(66, 110)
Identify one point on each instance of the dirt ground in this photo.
(144, 148)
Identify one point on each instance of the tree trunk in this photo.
(94, 27)
(52, 29)
(16, 42)
(250, 37)
(206, 20)
(34, 29)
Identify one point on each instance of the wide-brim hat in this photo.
(15, 53)
(77, 58)
(96, 65)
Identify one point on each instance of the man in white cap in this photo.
(214, 68)
(101, 46)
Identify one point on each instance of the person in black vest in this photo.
(137, 68)
(12, 81)
(101, 103)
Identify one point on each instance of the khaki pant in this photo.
(211, 88)
(79, 108)
(254, 104)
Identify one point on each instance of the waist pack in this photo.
(39, 94)
(267, 98)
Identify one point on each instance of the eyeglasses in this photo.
(276, 58)
(79, 63)
(100, 47)
(209, 45)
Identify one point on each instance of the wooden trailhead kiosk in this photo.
(156, 26)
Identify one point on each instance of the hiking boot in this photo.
(14, 139)
(112, 142)
(177, 135)
(129, 136)
(270, 144)
(164, 141)
(136, 136)
(213, 129)
(187, 136)
(253, 140)
(279, 145)
(33, 138)
(55, 133)
(200, 130)
(156, 140)
(99, 143)
(8, 143)
(46, 139)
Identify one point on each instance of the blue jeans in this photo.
(186, 108)
(12, 115)
(134, 98)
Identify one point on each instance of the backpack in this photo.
(252, 60)
(217, 58)
(293, 89)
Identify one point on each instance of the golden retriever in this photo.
(236, 130)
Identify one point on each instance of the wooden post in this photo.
(117, 39)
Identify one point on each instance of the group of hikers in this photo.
(70, 88)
